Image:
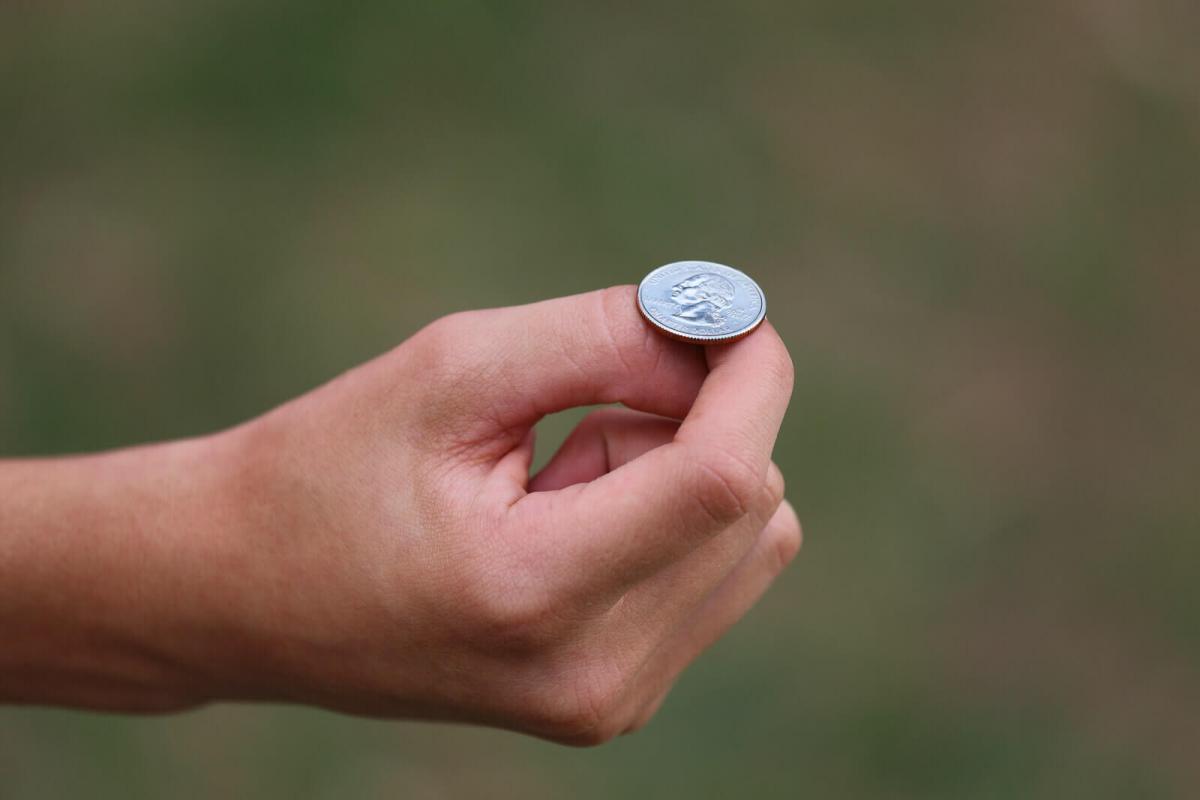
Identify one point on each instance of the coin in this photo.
(701, 302)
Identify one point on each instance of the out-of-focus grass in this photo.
(976, 225)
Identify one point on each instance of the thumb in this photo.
(517, 364)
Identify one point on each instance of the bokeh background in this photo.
(978, 225)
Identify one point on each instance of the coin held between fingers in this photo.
(701, 302)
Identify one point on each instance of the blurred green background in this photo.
(978, 225)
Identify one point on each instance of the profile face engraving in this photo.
(703, 299)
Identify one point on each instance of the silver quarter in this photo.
(701, 301)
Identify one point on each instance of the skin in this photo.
(378, 547)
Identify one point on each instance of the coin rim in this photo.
(700, 339)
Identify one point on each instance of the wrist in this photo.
(202, 601)
(233, 619)
(188, 564)
(265, 582)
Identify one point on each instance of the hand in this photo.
(377, 546)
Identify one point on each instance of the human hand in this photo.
(414, 568)
(378, 547)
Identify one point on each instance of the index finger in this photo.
(649, 512)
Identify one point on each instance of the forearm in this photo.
(113, 573)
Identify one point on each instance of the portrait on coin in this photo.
(703, 298)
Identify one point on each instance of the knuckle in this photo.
(515, 614)
(787, 539)
(639, 723)
(780, 366)
(441, 334)
(617, 304)
(436, 350)
(773, 490)
(727, 486)
(444, 365)
(523, 620)
(786, 369)
(646, 715)
(583, 706)
(618, 319)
